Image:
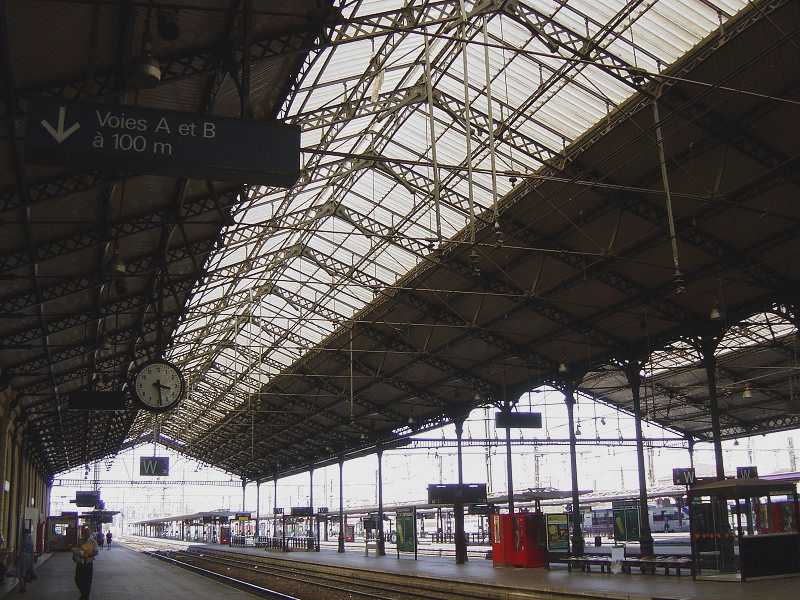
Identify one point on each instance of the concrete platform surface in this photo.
(558, 579)
(122, 574)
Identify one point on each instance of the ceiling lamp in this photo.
(145, 72)
(578, 429)
(747, 393)
(562, 367)
(715, 314)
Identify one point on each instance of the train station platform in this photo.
(123, 574)
(557, 581)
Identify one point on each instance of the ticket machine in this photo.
(225, 535)
(519, 540)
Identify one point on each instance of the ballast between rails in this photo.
(239, 583)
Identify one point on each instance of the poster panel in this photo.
(405, 533)
(558, 533)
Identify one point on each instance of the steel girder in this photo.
(19, 302)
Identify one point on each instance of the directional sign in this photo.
(746, 472)
(683, 477)
(454, 493)
(520, 420)
(154, 466)
(89, 400)
(134, 140)
(87, 498)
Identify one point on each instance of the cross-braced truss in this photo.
(481, 210)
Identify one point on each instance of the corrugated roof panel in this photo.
(550, 96)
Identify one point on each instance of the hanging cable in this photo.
(680, 284)
(490, 127)
(436, 180)
(468, 130)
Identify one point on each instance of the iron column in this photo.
(577, 532)
(509, 467)
(458, 509)
(708, 347)
(381, 544)
(258, 507)
(632, 372)
(341, 505)
(311, 543)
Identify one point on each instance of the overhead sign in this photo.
(277, 511)
(746, 472)
(302, 511)
(454, 493)
(135, 140)
(243, 516)
(91, 498)
(322, 510)
(481, 509)
(683, 476)
(97, 401)
(154, 466)
(519, 420)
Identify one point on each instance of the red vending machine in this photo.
(500, 531)
(225, 535)
(528, 546)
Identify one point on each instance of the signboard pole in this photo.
(415, 533)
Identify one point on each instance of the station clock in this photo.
(159, 386)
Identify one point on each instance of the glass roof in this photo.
(395, 161)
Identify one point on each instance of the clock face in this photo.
(159, 386)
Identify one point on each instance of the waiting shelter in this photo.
(745, 528)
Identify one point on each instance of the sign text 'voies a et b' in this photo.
(135, 140)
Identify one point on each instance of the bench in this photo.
(583, 561)
(371, 546)
(649, 564)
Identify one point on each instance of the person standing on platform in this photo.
(25, 560)
(100, 539)
(108, 539)
(83, 555)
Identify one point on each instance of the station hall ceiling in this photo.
(484, 207)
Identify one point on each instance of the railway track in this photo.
(291, 579)
(356, 586)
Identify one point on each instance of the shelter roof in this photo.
(741, 488)
(190, 517)
(340, 322)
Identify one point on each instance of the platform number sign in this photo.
(153, 466)
(746, 472)
(683, 476)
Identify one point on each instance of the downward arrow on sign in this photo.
(59, 135)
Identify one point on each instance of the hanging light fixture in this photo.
(747, 393)
(578, 429)
(562, 367)
(146, 70)
(715, 314)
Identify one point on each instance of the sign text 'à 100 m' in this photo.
(134, 141)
